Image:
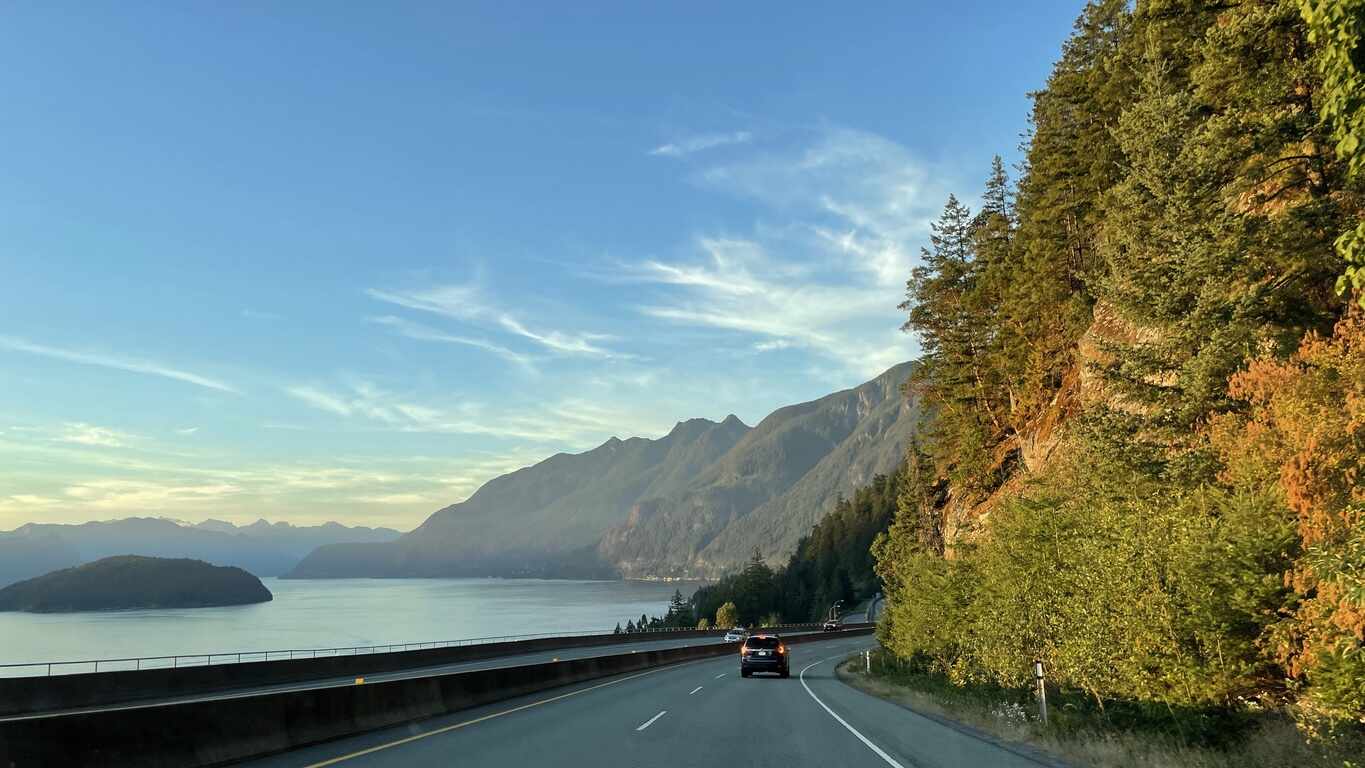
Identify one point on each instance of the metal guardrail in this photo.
(45, 668)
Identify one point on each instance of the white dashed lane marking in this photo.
(651, 720)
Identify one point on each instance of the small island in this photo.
(131, 581)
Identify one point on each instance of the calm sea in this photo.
(340, 612)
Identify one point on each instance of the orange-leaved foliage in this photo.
(1302, 438)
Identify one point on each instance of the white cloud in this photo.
(72, 484)
(824, 268)
(735, 293)
(394, 498)
(321, 400)
(89, 434)
(424, 333)
(256, 314)
(570, 422)
(701, 142)
(123, 494)
(466, 302)
(187, 431)
(109, 361)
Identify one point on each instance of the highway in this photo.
(692, 714)
(426, 671)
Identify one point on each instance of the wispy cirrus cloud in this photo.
(700, 142)
(824, 266)
(81, 433)
(103, 360)
(118, 494)
(464, 301)
(573, 422)
(422, 332)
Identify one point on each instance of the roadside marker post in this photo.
(867, 659)
(1042, 690)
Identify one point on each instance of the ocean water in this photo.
(332, 613)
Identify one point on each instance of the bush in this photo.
(727, 616)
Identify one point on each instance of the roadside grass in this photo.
(1121, 735)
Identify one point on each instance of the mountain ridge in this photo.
(262, 548)
(675, 506)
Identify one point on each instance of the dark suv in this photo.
(764, 653)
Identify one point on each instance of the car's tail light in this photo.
(781, 650)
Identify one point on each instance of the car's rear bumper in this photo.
(763, 665)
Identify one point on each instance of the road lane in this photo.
(562, 654)
(598, 728)
(661, 718)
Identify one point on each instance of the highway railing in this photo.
(133, 663)
(212, 731)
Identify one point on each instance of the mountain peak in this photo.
(695, 502)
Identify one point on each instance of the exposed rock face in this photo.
(1035, 446)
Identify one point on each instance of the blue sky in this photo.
(312, 261)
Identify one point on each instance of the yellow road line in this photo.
(477, 720)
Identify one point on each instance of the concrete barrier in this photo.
(22, 695)
(215, 732)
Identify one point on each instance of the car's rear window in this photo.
(762, 642)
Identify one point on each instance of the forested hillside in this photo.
(1146, 367)
(833, 562)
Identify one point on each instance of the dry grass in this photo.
(1274, 743)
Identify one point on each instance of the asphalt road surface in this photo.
(464, 666)
(698, 713)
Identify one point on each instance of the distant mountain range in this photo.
(695, 502)
(263, 548)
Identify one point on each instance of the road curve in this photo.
(693, 714)
(536, 657)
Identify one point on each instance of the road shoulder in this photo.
(844, 671)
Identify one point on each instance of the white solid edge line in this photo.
(694, 690)
(880, 753)
(651, 720)
(722, 674)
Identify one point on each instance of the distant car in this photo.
(831, 626)
(735, 635)
(764, 652)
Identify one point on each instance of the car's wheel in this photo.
(786, 673)
(745, 673)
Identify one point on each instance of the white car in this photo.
(735, 635)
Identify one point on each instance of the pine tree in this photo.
(1336, 29)
(954, 372)
(1045, 283)
(1218, 241)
